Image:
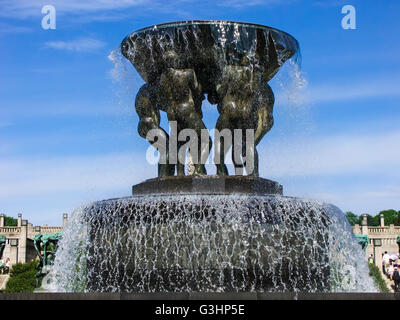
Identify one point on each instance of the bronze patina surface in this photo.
(228, 62)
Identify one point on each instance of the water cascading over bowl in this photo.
(207, 46)
(209, 243)
(204, 233)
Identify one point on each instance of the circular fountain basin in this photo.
(206, 243)
(209, 243)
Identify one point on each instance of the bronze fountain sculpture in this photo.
(193, 231)
(3, 240)
(187, 231)
(45, 245)
(229, 62)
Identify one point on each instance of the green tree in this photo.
(391, 217)
(22, 277)
(352, 218)
(370, 220)
(10, 221)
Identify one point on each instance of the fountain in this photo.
(208, 233)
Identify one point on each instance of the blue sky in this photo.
(68, 129)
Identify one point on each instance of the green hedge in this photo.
(376, 274)
(22, 278)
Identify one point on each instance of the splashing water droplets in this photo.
(201, 243)
(292, 84)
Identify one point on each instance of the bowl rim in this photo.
(205, 22)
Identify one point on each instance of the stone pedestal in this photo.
(208, 185)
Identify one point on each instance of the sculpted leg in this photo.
(180, 167)
(236, 158)
(203, 149)
(235, 108)
(222, 146)
(182, 95)
(251, 159)
(149, 119)
(264, 107)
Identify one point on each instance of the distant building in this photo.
(19, 244)
(382, 238)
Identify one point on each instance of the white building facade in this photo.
(381, 238)
(19, 239)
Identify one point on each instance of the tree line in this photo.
(391, 217)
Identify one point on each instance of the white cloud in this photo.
(352, 91)
(343, 90)
(252, 3)
(336, 155)
(21, 9)
(12, 29)
(356, 172)
(363, 201)
(68, 108)
(77, 45)
(32, 8)
(303, 166)
(27, 177)
(331, 3)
